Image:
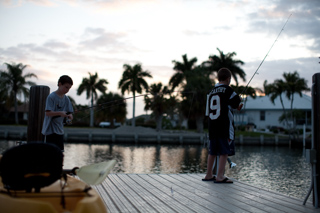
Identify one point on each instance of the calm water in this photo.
(279, 169)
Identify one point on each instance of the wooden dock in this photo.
(187, 193)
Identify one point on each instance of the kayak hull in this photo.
(51, 199)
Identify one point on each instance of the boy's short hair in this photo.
(223, 74)
(65, 79)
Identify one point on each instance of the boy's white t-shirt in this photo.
(55, 124)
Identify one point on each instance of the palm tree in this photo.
(194, 96)
(112, 107)
(216, 62)
(182, 69)
(92, 85)
(133, 81)
(158, 103)
(291, 84)
(275, 90)
(294, 84)
(14, 83)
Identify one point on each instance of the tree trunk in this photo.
(133, 110)
(16, 109)
(284, 112)
(159, 123)
(91, 112)
(199, 122)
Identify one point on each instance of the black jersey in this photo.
(220, 102)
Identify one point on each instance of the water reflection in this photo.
(279, 169)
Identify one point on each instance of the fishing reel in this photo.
(67, 121)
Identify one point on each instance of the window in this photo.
(262, 115)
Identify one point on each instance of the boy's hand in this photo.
(240, 106)
(64, 114)
(70, 116)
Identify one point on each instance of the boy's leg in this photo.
(222, 164)
(210, 162)
(56, 140)
(220, 176)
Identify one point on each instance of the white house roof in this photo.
(264, 103)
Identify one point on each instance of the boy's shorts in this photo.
(56, 140)
(221, 146)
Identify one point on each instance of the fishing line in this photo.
(108, 102)
(122, 101)
(245, 89)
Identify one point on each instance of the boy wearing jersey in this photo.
(58, 107)
(220, 103)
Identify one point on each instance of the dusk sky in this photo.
(74, 37)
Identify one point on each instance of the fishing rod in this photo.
(245, 89)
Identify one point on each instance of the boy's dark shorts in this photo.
(222, 146)
(56, 140)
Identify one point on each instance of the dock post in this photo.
(315, 92)
(135, 137)
(113, 137)
(90, 136)
(261, 140)
(37, 104)
(6, 133)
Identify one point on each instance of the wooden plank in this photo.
(136, 194)
(281, 202)
(107, 198)
(187, 193)
(210, 194)
(184, 198)
(163, 196)
(236, 195)
(276, 196)
(120, 200)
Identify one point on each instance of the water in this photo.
(279, 169)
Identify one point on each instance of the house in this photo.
(23, 111)
(263, 113)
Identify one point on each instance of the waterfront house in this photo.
(23, 112)
(263, 114)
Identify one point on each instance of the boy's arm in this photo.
(56, 113)
(236, 102)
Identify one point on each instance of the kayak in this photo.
(32, 180)
(76, 197)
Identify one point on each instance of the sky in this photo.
(77, 37)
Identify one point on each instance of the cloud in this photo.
(94, 46)
(18, 3)
(196, 33)
(94, 5)
(271, 70)
(98, 38)
(305, 17)
(54, 44)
